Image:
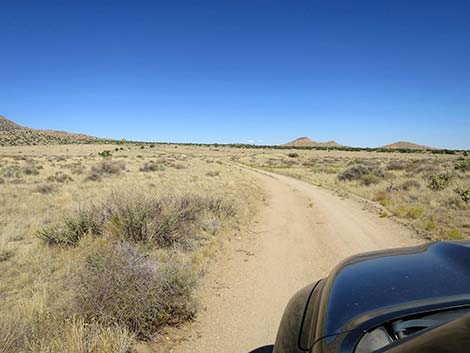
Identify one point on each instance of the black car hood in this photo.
(374, 281)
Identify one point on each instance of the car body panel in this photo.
(435, 272)
(367, 290)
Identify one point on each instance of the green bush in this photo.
(439, 181)
(118, 286)
(105, 154)
(463, 193)
(463, 165)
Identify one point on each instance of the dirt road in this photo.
(302, 232)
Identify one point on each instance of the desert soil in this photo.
(301, 233)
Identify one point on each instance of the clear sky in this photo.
(364, 73)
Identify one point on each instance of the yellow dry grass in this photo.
(40, 183)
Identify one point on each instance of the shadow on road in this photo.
(265, 349)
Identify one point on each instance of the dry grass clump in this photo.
(75, 168)
(152, 166)
(396, 165)
(37, 332)
(165, 221)
(117, 286)
(45, 188)
(410, 184)
(59, 177)
(30, 170)
(213, 173)
(105, 168)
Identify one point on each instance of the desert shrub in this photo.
(105, 154)
(165, 221)
(30, 170)
(6, 254)
(420, 166)
(410, 184)
(396, 165)
(12, 172)
(439, 181)
(73, 227)
(105, 168)
(369, 179)
(118, 286)
(59, 177)
(454, 234)
(75, 168)
(44, 188)
(2, 181)
(293, 155)
(213, 173)
(17, 181)
(463, 165)
(463, 193)
(413, 212)
(152, 167)
(358, 171)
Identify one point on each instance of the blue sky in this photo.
(364, 73)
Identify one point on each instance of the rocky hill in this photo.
(307, 142)
(405, 145)
(12, 134)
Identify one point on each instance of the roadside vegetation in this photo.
(102, 247)
(428, 191)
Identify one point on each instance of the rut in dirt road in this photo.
(302, 232)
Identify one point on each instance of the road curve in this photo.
(301, 234)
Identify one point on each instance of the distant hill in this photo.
(406, 146)
(307, 142)
(8, 125)
(12, 134)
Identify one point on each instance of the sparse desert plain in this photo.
(107, 247)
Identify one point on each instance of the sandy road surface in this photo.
(302, 232)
